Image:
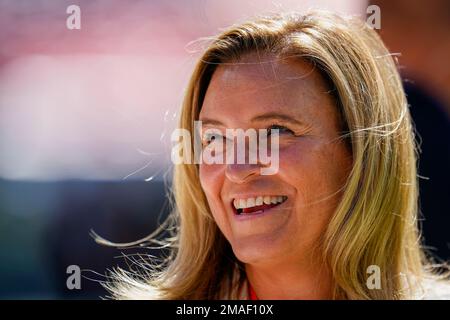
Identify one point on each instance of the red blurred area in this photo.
(101, 102)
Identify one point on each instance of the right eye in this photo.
(210, 137)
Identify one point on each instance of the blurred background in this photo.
(86, 117)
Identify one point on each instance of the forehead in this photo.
(264, 84)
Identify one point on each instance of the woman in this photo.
(338, 219)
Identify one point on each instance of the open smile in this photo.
(256, 205)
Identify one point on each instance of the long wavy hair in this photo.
(376, 221)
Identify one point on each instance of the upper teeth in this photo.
(257, 201)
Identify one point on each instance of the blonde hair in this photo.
(376, 220)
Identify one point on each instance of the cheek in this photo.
(316, 170)
(211, 180)
(313, 170)
(209, 174)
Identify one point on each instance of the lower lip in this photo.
(255, 215)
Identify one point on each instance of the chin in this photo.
(258, 250)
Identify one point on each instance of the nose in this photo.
(240, 173)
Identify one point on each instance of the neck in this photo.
(290, 281)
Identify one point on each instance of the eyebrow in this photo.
(208, 121)
(260, 118)
(277, 116)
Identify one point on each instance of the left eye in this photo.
(281, 129)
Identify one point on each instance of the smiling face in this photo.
(293, 206)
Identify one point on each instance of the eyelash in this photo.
(281, 129)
